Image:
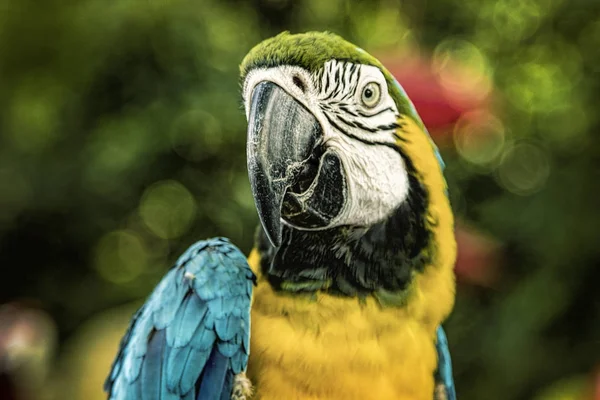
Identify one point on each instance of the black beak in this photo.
(286, 163)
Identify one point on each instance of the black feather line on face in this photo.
(347, 110)
(340, 129)
(347, 96)
(357, 124)
(350, 71)
(351, 124)
(354, 76)
(353, 260)
(389, 127)
(324, 88)
(338, 78)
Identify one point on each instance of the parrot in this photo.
(351, 276)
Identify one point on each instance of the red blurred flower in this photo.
(478, 257)
(439, 107)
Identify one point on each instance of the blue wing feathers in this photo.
(228, 349)
(187, 322)
(176, 362)
(443, 375)
(190, 374)
(171, 300)
(193, 332)
(213, 381)
(204, 339)
(167, 392)
(246, 338)
(228, 386)
(152, 367)
(239, 361)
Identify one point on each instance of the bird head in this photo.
(347, 183)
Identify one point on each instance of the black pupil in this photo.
(368, 93)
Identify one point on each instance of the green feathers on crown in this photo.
(311, 50)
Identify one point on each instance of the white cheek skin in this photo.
(283, 77)
(375, 174)
(377, 182)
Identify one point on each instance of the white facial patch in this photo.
(358, 129)
(283, 76)
(377, 180)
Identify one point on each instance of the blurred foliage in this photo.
(123, 141)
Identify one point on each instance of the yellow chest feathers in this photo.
(335, 348)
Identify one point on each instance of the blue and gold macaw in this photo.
(351, 277)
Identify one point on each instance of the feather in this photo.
(134, 391)
(167, 392)
(238, 361)
(213, 379)
(188, 322)
(228, 349)
(170, 304)
(139, 338)
(152, 368)
(176, 363)
(227, 327)
(176, 344)
(204, 339)
(228, 387)
(190, 370)
(443, 376)
(132, 367)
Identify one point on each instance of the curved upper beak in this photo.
(282, 139)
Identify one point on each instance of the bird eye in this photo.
(371, 94)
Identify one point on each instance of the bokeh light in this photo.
(28, 338)
(168, 209)
(524, 169)
(120, 256)
(462, 69)
(479, 137)
(539, 87)
(34, 113)
(517, 19)
(195, 135)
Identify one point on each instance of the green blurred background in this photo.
(122, 141)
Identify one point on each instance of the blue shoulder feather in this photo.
(192, 335)
(444, 382)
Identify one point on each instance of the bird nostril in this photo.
(298, 82)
